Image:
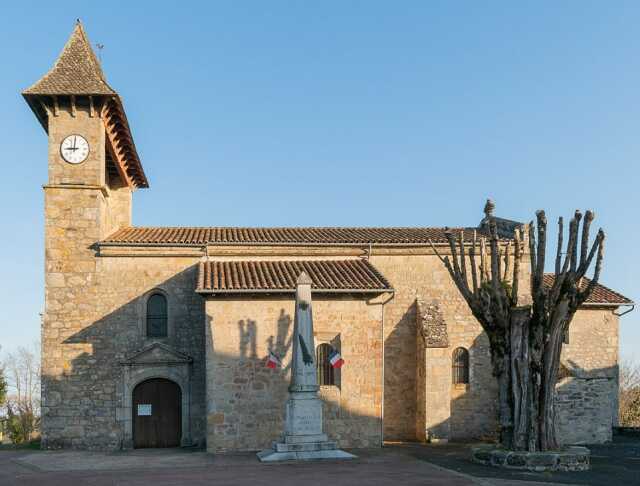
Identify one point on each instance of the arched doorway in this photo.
(157, 414)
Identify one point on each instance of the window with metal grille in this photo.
(157, 316)
(326, 372)
(460, 366)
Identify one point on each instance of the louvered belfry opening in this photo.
(326, 372)
(157, 316)
(460, 366)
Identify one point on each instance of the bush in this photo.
(21, 423)
(629, 395)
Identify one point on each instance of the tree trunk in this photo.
(549, 378)
(505, 405)
(520, 377)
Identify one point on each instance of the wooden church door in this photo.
(157, 416)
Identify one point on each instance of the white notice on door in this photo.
(144, 409)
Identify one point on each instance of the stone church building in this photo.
(158, 337)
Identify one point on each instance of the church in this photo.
(181, 336)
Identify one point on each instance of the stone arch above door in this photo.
(155, 361)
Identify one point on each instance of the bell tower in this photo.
(93, 169)
(90, 143)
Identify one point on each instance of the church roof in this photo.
(600, 295)
(190, 236)
(251, 276)
(77, 71)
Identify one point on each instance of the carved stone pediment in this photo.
(157, 354)
(431, 325)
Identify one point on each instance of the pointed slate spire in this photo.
(77, 71)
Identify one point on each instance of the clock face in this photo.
(74, 149)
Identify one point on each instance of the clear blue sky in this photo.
(341, 113)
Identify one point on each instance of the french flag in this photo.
(272, 361)
(335, 359)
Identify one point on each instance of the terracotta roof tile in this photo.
(249, 276)
(599, 295)
(281, 236)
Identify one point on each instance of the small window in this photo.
(157, 316)
(326, 372)
(460, 366)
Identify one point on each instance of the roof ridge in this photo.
(323, 235)
(124, 228)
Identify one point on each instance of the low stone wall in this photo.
(570, 459)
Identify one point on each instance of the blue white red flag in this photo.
(272, 361)
(335, 359)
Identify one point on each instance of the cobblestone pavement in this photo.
(393, 465)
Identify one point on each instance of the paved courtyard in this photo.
(617, 463)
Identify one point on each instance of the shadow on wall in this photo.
(400, 377)
(86, 404)
(586, 401)
(586, 408)
(83, 378)
(246, 405)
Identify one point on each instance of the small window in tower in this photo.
(157, 316)
(460, 366)
(326, 372)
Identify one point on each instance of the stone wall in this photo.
(92, 170)
(245, 400)
(95, 319)
(94, 305)
(588, 390)
(472, 412)
(85, 401)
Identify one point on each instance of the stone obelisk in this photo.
(303, 438)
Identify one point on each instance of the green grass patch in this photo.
(34, 445)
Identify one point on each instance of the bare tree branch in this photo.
(463, 263)
(584, 266)
(588, 218)
(532, 251)
(517, 255)
(472, 261)
(574, 246)
(484, 271)
(582, 296)
(507, 263)
(559, 248)
(541, 250)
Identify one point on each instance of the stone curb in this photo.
(573, 458)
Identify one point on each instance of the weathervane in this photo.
(100, 47)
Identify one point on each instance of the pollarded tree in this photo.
(525, 340)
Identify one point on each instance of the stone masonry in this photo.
(395, 385)
(245, 399)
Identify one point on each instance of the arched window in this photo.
(326, 372)
(157, 316)
(460, 366)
